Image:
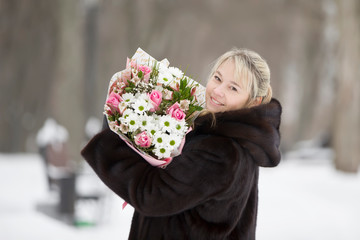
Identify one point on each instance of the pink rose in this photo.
(172, 108)
(143, 140)
(113, 101)
(155, 99)
(175, 112)
(178, 114)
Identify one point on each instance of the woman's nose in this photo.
(219, 91)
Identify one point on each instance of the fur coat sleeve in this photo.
(205, 168)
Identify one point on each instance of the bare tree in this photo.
(28, 48)
(347, 109)
(67, 104)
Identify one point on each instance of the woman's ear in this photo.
(256, 102)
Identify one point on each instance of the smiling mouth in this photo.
(213, 100)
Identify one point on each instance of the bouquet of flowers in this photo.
(151, 107)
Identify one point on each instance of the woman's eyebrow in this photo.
(217, 71)
(235, 83)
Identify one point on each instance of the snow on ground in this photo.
(299, 200)
(23, 187)
(308, 200)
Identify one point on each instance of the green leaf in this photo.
(111, 118)
(176, 96)
(198, 108)
(183, 83)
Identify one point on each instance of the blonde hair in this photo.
(252, 72)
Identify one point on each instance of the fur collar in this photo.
(256, 129)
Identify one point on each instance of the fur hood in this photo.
(255, 129)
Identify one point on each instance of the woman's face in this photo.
(223, 92)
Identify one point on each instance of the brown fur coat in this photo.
(208, 192)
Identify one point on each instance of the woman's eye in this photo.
(217, 78)
(233, 89)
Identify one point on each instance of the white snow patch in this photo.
(298, 200)
(51, 133)
(92, 127)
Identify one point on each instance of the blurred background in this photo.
(57, 57)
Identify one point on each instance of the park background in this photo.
(57, 57)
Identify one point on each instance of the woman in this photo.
(210, 191)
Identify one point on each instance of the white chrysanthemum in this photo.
(162, 152)
(161, 138)
(152, 130)
(152, 125)
(176, 72)
(133, 122)
(146, 122)
(180, 127)
(165, 78)
(174, 140)
(167, 123)
(128, 98)
(125, 115)
(163, 68)
(141, 106)
(142, 96)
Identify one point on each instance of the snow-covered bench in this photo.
(61, 175)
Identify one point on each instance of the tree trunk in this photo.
(67, 93)
(346, 131)
(28, 46)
